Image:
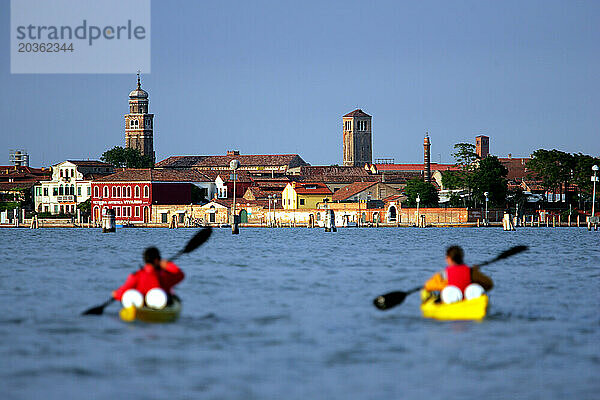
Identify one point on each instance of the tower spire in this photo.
(139, 84)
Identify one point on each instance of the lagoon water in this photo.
(287, 313)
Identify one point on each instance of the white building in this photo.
(70, 186)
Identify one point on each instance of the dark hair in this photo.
(456, 254)
(151, 254)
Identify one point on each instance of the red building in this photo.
(133, 192)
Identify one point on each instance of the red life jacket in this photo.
(459, 276)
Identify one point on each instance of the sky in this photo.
(277, 77)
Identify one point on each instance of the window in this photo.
(181, 218)
(56, 208)
(45, 208)
(96, 191)
(117, 211)
(61, 173)
(146, 191)
(105, 191)
(163, 218)
(128, 189)
(89, 190)
(301, 202)
(61, 190)
(118, 191)
(79, 191)
(114, 191)
(45, 191)
(137, 211)
(54, 191)
(137, 191)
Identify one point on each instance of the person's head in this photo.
(152, 256)
(454, 255)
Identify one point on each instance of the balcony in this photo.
(66, 199)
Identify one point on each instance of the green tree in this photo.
(453, 180)
(582, 172)
(554, 168)
(121, 157)
(465, 155)
(490, 176)
(425, 190)
(85, 208)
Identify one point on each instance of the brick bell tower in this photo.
(139, 123)
(357, 135)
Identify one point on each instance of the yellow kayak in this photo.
(474, 309)
(145, 314)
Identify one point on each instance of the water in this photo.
(287, 313)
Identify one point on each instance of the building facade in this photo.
(133, 193)
(305, 195)
(139, 123)
(357, 134)
(70, 185)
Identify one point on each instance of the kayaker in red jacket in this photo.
(156, 273)
(457, 274)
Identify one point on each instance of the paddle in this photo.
(392, 299)
(195, 242)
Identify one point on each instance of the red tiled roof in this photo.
(311, 188)
(12, 186)
(517, 167)
(357, 113)
(156, 175)
(90, 163)
(416, 167)
(350, 190)
(246, 160)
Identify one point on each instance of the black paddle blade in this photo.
(98, 310)
(198, 239)
(387, 301)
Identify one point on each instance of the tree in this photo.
(465, 155)
(127, 157)
(453, 180)
(490, 176)
(425, 190)
(553, 167)
(85, 208)
(582, 172)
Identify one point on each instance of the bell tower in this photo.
(356, 128)
(139, 123)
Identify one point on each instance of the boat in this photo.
(168, 314)
(473, 309)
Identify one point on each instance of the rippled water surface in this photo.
(287, 313)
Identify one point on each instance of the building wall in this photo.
(64, 192)
(129, 204)
(171, 193)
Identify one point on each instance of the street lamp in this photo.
(234, 165)
(418, 199)
(486, 194)
(594, 179)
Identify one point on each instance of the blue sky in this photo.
(276, 77)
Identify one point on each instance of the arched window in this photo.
(114, 191)
(146, 191)
(127, 192)
(105, 194)
(118, 191)
(61, 190)
(137, 191)
(96, 191)
(72, 190)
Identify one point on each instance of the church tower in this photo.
(138, 123)
(357, 138)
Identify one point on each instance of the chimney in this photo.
(233, 152)
(427, 157)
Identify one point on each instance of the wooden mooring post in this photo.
(109, 221)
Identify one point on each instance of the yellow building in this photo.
(304, 195)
